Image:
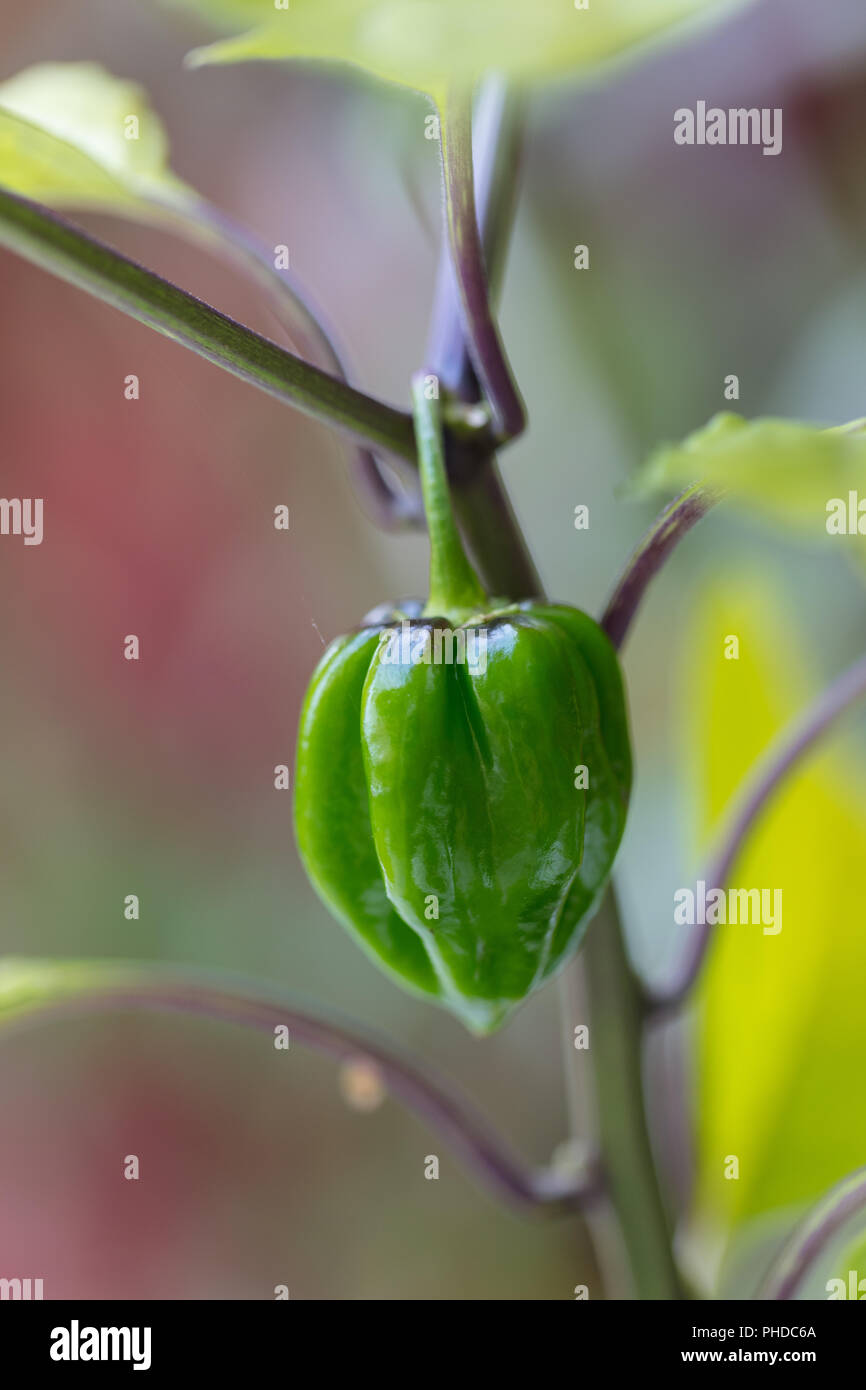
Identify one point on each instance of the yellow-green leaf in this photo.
(71, 134)
(785, 471)
(427, 43)
(780, 1027)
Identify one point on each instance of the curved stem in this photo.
(480, 502)
(467, 257)
(497, 139)
(302, 319)
(41, 990)
(780, 759)
(814, 1235)
(308, 332)
(54, 244)
(666, 532)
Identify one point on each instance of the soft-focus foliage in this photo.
(63, 140)
(425, 43)
(781, 469)
(780, 1023)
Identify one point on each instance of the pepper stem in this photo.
(455, 589)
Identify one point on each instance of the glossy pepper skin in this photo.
(436, 805)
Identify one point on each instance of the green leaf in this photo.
(71, 134)
(780, 1024)
(65, 141)
(781, 469)
(428, 43)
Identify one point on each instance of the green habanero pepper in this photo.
(463, 776)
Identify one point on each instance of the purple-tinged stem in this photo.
(56, 245)
(480, 501)
(467, 256)
(814, 1234)
(309, 334)
(780, 759)
(100, 986)
(497, 139)
(666, 532)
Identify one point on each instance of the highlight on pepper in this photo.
(414, 774)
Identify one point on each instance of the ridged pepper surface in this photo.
(463, 776)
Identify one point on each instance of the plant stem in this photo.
(615, 996)
(497, 141)
(480, 503)
(308, 332)
(454, 585)
(668, 529)
(32, 991)
(467, 257)
(54, 244)
(814, 1235)
(616, 1048)
(486, 519)
(507, 569)
(783, 756)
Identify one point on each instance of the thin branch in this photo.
(480, 502)
(467, 256)
(814, 1234)
(666, 532)
(290, 300)
(309, 334)
(391, 507)
(49, 241)
(111, 986)
(781, 758)
(497, 140)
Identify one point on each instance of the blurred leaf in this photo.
(750, 1251)
(813, 1247)
(781, 469)
(425, 43)
(64, 140)
(781, 1027)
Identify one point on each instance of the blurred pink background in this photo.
(156, 777)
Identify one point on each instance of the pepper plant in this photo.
(460, 817)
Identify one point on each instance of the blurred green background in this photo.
(156, 778)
